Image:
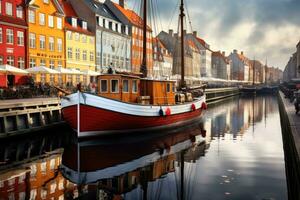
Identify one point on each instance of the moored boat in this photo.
(133, 102)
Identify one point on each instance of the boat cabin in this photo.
(133, 89)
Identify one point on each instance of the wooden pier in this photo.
(217, 94)
(27, 115)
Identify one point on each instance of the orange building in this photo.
(45, 34)
(136, 26)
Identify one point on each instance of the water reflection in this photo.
(239, 156)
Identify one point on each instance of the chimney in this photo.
(195, 33)
(234, 51)
(121, 3)
(171, 32)
(223, 53)
(242, 53)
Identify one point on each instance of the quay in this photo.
(21, 116)
(290, 125)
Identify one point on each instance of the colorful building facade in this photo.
(13, 30)
(135, 23)
(46, 37)
(79, 45)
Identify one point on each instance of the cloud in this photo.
(262, 28)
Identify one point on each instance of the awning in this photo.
(64, 70)
(91, 73)
(12, 70)
(42, 70)
(75, 71)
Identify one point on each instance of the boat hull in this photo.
(101, 119)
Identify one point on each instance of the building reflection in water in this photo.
(158, 166)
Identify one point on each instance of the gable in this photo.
(55, 3)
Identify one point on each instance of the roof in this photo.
(100, 9)
(70, 12)
(56, 3)
(219, 54)
(191, 44)
(203, 43)
(132, 16)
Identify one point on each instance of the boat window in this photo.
(168, 87)
(125, 86)
(173, 87)
(103, 85)
(134, 86)
(114, 86)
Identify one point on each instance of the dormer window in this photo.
(84, 25)
(19, 12)
(74, 22)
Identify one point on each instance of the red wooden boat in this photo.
(130, 103)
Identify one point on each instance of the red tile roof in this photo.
(133, 17)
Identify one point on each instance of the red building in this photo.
(13, 34)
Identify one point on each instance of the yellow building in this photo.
(46, 37)
(80, 45)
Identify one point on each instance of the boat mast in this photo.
(253, 71)
(182, 15)
(144, 61)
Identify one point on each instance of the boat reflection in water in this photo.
(238, 156)
(132, 167)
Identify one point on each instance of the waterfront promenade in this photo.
(290, 125)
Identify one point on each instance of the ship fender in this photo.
(168, 112)
(193, 107)
(161, 112)
(204, 106)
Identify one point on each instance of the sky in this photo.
(263, 29)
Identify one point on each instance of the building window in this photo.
(10, 60)
(50, 21)
(32, 40)
(8, 8)
(84, 55)
(84, 39)
(51, 64)
(42, 42)
(74, 22)
(20, 36)
(59, 63)
(69, 35)
(42, 62)
(103, 86)
(21, 63)
(46, 1)
(61, 184)
(77, 56)
(1, 60)
(52, 164)
(134, 86)
(70, 53)
(33, 194)
(59, 45)
(1, 35)
(91, 40)
(52, 188)
(77, 38)
(42, 19)
(32, 62)
(59, 23)
(114, 86)
(20, 12)
(51, 43)
(84, 25)
(92, 56)
(0, 6)
(9, 36)
(43, 166)
(125, 86)
(43, 193)
(31, 16)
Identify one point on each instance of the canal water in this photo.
(235, 152)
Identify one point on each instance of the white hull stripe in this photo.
(127, 108)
